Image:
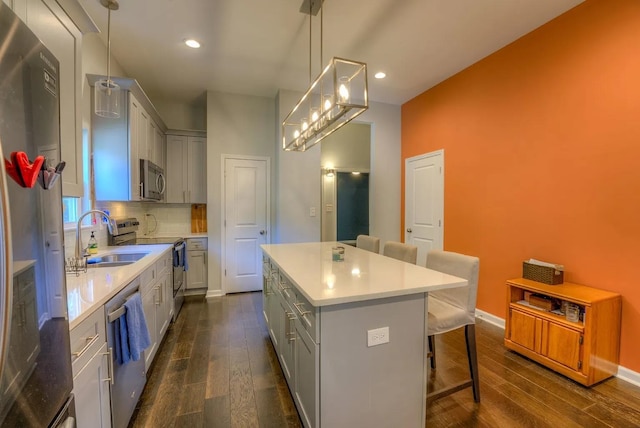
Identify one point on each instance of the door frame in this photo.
(440, 153)
(223, 209)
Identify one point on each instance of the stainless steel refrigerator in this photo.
(35, 361)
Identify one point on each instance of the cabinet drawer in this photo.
(86, 339)
(307, 315)
(164, 264)
(287, 290)
(148, 279)
(197, 244)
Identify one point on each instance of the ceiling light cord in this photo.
(310, 24)
(109, 46)
(321, 36)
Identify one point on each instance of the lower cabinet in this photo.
(197, 263)
(91, 391)
(287, 317)
(307, 375)
(91, 371)
(157, 302)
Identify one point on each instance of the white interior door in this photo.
(246, 223)
(424, 203)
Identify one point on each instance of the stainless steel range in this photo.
(126, 235)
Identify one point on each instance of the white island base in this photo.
(322, 316)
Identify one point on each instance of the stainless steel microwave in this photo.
(152, 181)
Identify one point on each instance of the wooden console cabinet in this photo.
(586, 351)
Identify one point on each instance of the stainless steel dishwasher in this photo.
(128, 379)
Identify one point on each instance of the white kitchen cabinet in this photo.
(186, 169)
(24, 342)
(91, 391)
(91, 371)
(119, 144)
(306, 380)
(157, 302)
(52, 25)
(196, 263)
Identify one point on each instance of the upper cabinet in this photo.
(60, 35)
(186, 168)
(120, 144)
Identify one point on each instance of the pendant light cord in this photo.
(109, 46)
(310, 23)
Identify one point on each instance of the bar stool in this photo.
(397, 250)
(369, 243)
(452, 309)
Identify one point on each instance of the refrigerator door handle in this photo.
(6, 268)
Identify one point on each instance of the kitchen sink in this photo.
(114, 260)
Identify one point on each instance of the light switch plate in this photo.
(312, 212)
(377, 336)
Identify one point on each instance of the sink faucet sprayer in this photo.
(79, 248)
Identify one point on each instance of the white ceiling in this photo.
(256, 46)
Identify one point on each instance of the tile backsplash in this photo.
(155, 220)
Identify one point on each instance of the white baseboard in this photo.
(491, 319)
(623, 373)
(628, 375)
(214, 293)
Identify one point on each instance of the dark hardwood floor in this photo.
(217, 368)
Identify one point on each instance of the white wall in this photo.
(298, 185)
(178, 115)
(236, 125)
(348, 149)
(384, 180)
(299, 179)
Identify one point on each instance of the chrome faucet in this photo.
(79, 248)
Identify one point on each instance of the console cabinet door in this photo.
(563, 345)
(523, 327)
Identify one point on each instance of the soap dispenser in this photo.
(93, 244)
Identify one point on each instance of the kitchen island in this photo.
(350, 335)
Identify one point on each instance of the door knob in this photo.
(408, 230)
(263, 232)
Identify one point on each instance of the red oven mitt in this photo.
(22, 170)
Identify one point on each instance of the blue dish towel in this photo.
(134, 333)
(123, 355)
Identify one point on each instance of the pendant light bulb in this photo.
(106, 91)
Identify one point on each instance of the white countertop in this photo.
(362, 275)
(90, 290)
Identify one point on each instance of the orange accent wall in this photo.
(542, 156)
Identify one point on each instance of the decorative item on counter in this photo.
(93, 244)
(22, 170)
(75, 265)
(198, 218)
(547, 273)
(337, 254)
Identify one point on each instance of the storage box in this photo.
(544, 274)
(542, 302)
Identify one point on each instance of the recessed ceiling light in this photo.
(380, 75)
(192, 43)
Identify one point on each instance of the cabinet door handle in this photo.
(291, 335)
(157, 299)
(263, 232)
(111, 378)
(409, 230)
(90, 341)
(301, 311)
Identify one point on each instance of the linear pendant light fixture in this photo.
(106, 91)
(337, 96)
